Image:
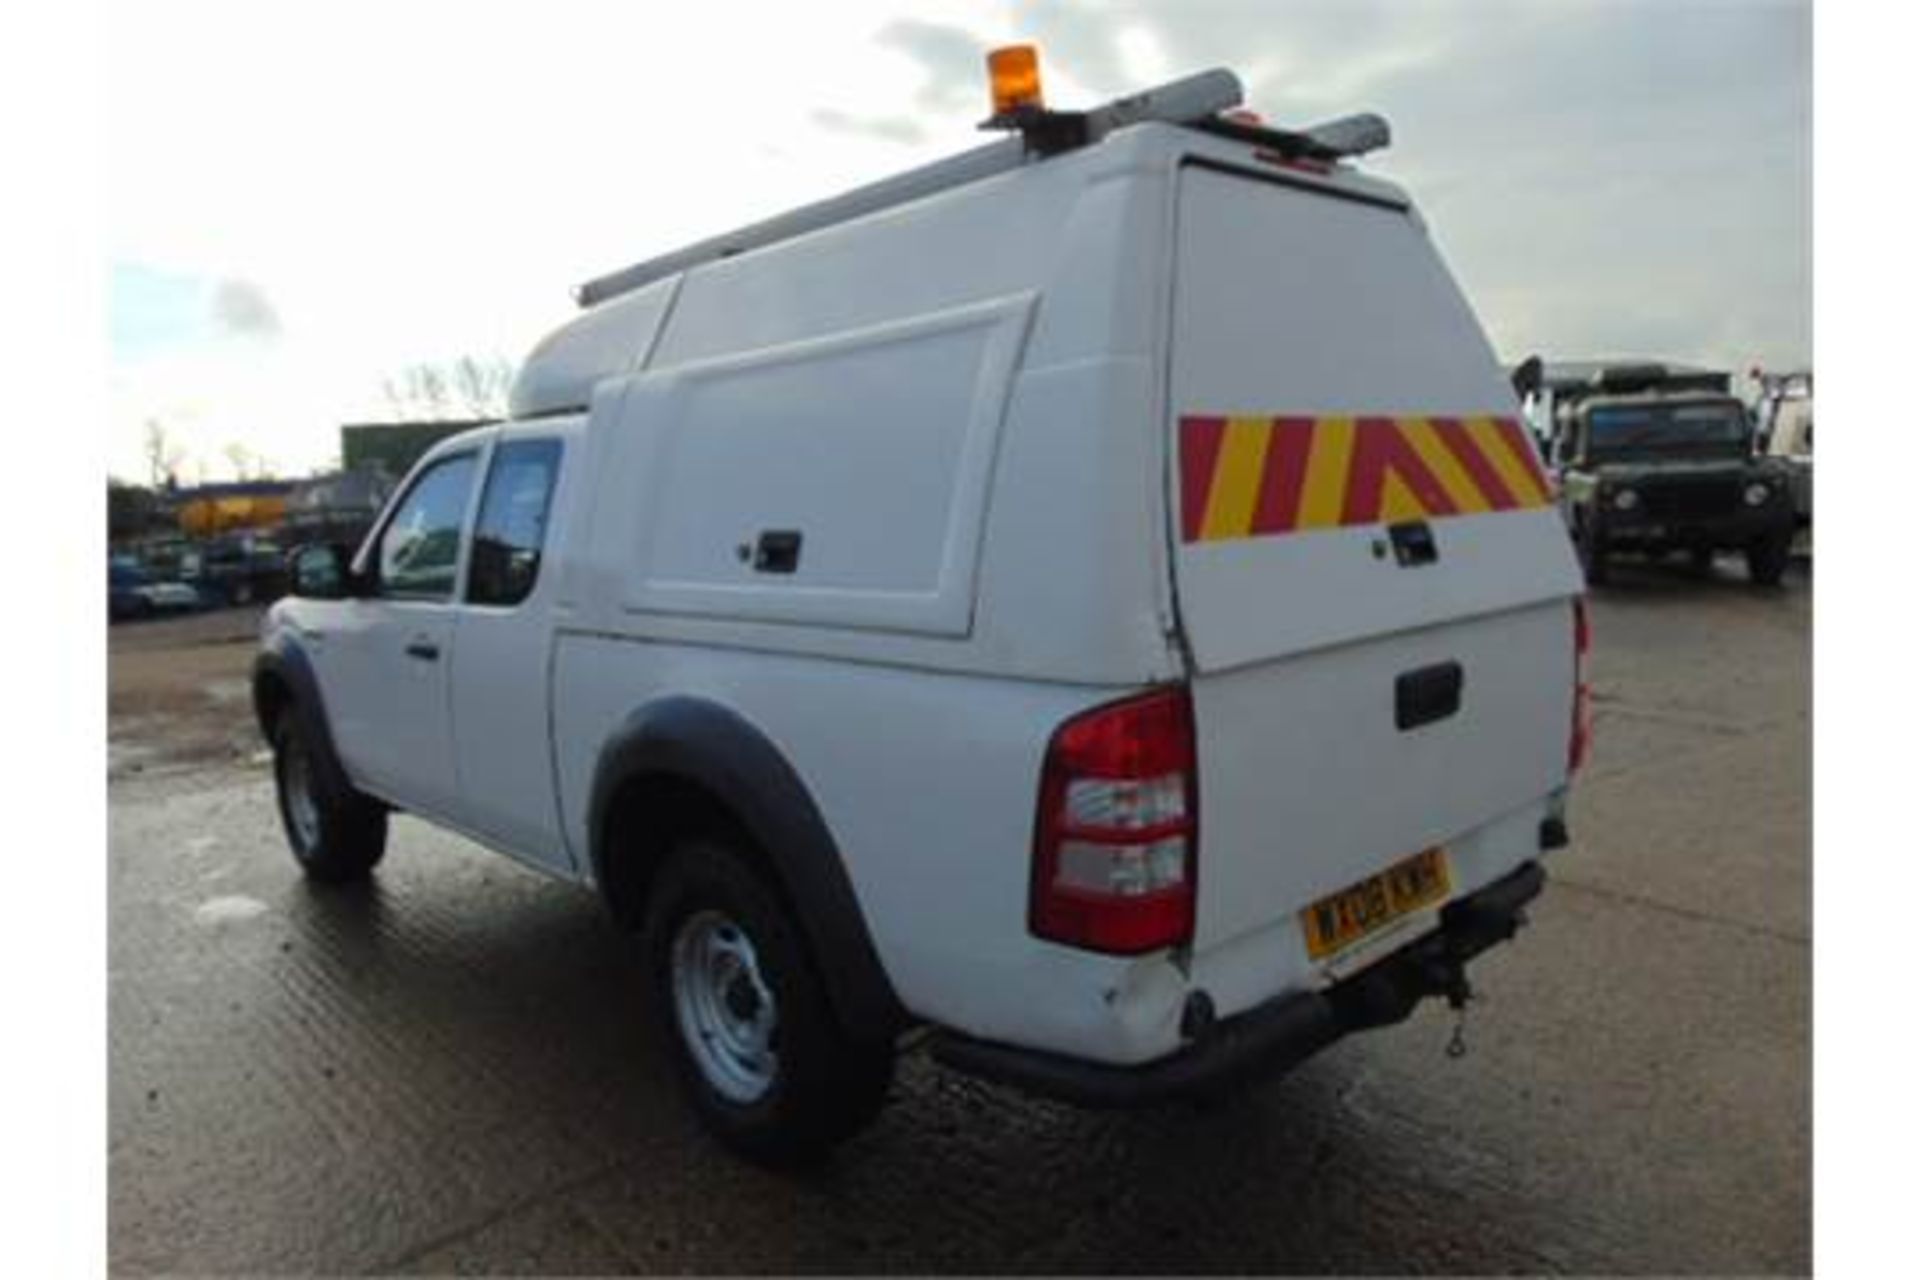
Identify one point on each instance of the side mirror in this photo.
(320, 571)
(1528, 376)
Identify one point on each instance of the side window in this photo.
(420, 547)
(512, 528)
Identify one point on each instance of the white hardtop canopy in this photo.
(560, 373)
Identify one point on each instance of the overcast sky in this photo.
(303, 199)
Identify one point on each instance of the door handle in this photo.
(1429, 694)
(425, 650)
(778, 551)
(1413, 543)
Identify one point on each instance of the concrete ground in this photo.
(452, 1071)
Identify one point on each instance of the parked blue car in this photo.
(133, 593)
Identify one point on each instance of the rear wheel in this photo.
(1701, 558)
(336, 833)
(767, 1066)
(1767, 558)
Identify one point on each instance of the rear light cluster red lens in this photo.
(1117, 835)
(1580, 741)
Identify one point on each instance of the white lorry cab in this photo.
(1087, 608)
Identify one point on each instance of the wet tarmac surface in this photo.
(452, 1069)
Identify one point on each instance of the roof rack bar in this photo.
(1182, 101)
(1353, 135)
(968, 166)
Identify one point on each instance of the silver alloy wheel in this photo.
(727, 1014)
(296, 785)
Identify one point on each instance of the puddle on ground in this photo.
(225, 691)
(218, 911)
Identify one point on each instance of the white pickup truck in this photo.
(1086, 606)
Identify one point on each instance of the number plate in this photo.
(1351, 914)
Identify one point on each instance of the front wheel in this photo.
(336, 833)
(1767, 558)
(766, 1064)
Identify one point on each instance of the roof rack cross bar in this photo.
(1185, 101)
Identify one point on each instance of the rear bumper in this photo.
(1270, 1038)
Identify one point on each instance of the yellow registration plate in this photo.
(1351, 914)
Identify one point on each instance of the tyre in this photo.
(767, 1066)
(1701, 559)
(336, 834)
(1767, 558)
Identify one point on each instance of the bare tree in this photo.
(483, 385)
(469, 386)
(397, 403)
(417, 393)
(163, 455)
(244, 461)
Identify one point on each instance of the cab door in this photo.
(388, 654)
(499, 674)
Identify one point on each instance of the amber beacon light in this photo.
(1015, 73)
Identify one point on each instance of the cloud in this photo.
(155, 312)
(952, 59)
(241, 310)
(1602, 179)
(897, 128)
(1083, 43)
(1601, 175)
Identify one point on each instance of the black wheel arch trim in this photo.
(693, 740)
(284, 662)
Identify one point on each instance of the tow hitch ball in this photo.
(1449, 977)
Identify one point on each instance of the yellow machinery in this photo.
(206, 514)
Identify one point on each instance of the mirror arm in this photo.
(354, 585)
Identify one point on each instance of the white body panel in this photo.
(390, 711)
(1301, 624)
(926, 781)
(503, 756)
(608, 340)
(962, 403)
(876, 444)
(1310, 787)
(1288, 303)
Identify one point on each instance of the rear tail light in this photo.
(1116, 837)
(1581, 737)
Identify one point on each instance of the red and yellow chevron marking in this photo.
(1247, 477)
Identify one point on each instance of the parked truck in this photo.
(1658, 459)
(1086, 607)
(1783, 419)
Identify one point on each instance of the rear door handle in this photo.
(1413, 543)
(1426, 695)
(425, 650)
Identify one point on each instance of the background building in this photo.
(394, 447)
